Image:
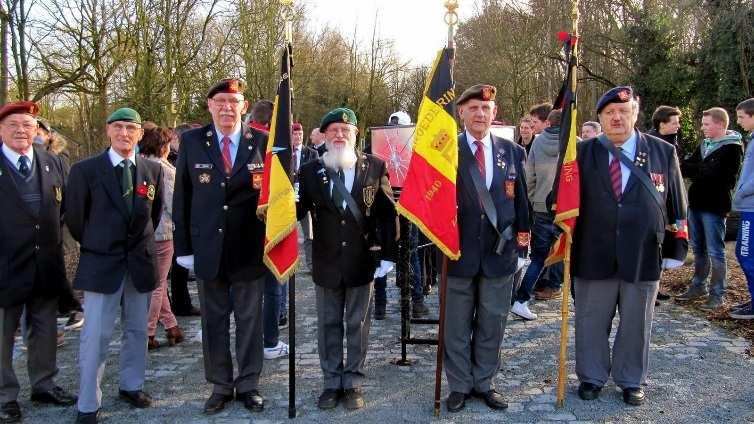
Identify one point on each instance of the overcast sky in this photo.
(416, 26)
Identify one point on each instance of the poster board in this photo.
(394, 145)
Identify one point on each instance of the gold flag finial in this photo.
(287, 12)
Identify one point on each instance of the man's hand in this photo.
(383, 269)
(520, 264)
(186, 262)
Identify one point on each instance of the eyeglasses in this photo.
(26, 126)
(130, 128)
(233, 102)
(337, 131)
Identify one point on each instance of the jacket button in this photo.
(482, 217)
(620, 205)
(222, 184)
(36, 247)
(36, 227)
(343, 222)
(225, 207)
(344, 244)
(220, 230)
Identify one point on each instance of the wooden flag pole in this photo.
(566, 292)
(451, 19)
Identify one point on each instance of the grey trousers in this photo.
(100, 312)
(307, 235)
(596, 302)
(336, 307)
(41, 324)
(218, 299)
(476, 312)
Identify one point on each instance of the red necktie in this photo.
(479, 155)
(616, 177)
(226, 155)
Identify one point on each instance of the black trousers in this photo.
(180, 299)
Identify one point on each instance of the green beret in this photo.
(124, 114)
(484, 92)
(340, 114)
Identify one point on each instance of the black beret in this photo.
(228, 85)
(484, 92)
(620, 94)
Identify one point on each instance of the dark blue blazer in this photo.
(31, 252)
(478, 237)
(627, 237)
(215, 215)
(112, 241)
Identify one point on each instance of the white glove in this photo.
(520, 264)
(186, 262)
(668, 263)
(383, 269)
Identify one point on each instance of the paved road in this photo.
(699, 373)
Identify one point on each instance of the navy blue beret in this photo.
(621, 94)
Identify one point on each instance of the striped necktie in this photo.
(616, 177)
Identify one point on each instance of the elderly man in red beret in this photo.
(32, 274)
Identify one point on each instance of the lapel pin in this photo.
(208, 144)
(209, 133)
(249, 147)
(47, 168)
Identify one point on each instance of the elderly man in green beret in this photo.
(354, 232)
(113, 204)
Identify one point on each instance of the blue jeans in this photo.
(417, 289)
(543, 234)
(284, 300)
(271, 310)
(707, 232)
(744, 252)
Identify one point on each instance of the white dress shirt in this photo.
(116, 158)
(487, 143)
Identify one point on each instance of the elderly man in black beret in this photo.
(32, 274)
(631, 192)
(112, 207)
(349, 196)
(493, 223)
(218, 235)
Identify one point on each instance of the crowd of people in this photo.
(160, 205)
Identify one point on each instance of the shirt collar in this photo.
(13, 156)
(235, 136)
(629, 147)
(486, 140)
(116, 158)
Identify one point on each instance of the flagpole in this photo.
(287, 13)
(451, 19)
(566, 292)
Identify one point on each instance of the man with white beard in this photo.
(351, 202)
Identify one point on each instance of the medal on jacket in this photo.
(510, 188)
(58, 194)
(256, 180)
(658, 181)
(204, 178)
(368, 194)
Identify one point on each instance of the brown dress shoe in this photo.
(152, 343)
(353, 399)
(547, 293)
(174, 335)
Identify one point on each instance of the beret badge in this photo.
(624, 95)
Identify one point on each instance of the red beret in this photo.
(28, 108)
(297, 126)
(228, 85)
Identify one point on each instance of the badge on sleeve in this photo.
(368, 194)
(256, 180)
(58, 194)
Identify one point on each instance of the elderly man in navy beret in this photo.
(32, 274)
(631, 193)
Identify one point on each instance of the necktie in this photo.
(479, 155)
(294, 160)
(227, 162)
(23, 166)
(336, 197)
(616, 177)
(127, 185)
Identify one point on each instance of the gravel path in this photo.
(698, 373)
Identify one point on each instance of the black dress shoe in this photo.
(191, 312)
(10, 412)
(456, 401)
(353, 399)
(56, 396)
(328, 399)
(634, 396)
(216, 403)
(137, 398)
(492, 398)
(252, 400)
(87, 417)
(589, 391)
(663, 296)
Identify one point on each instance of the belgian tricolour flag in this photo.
(566, 187)
(428, 198)
(277, 200)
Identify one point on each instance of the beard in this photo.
(339, 157)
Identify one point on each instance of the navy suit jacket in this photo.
(627, 237)
(31, 252)
(508, 193)
(215, 215)
(112, 241)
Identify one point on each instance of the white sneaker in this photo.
(278, 351)
(522, 310)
